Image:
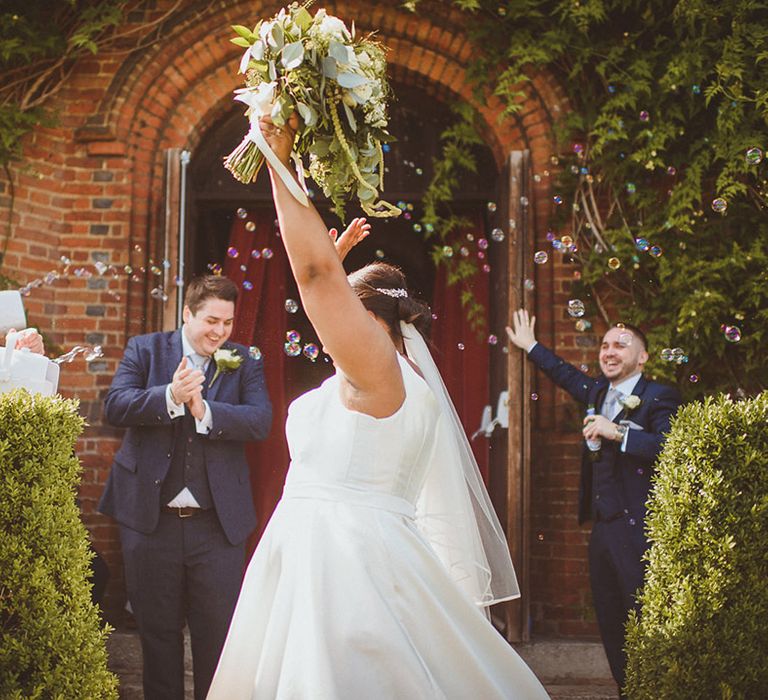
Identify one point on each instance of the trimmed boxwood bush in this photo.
(703, 631)
(52, 642)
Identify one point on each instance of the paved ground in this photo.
(544, 657)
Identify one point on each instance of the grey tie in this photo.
(611, 404)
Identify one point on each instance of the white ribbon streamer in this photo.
(294, 187)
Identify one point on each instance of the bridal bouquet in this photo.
(336, 82)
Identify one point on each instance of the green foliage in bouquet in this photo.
(52, 643)
(660, 164)
(336, 82)
(702, 631)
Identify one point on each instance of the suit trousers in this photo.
(186, 571)
(616, 571)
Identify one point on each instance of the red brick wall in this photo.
(91, 187)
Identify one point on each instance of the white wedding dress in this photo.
(345, 598)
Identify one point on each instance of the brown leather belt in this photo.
(182, 511)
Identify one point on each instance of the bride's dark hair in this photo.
(367, 283)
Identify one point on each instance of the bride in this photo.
(374, 573)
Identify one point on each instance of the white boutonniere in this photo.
(631, 402)
(226, 361)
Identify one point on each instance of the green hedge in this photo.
(52, 642)
(703, 632)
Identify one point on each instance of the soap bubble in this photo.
(464, 251)
(232, 252)
(655, 251)
(696, 89)
(631, 188)
(719, 205)
(293, 336)
(534, 397)
(754, 155)
(460, 346)
(671, 170)
(255, 254)
(417, 228)
(576, 308)
(159, 294)
(247, 285)
(644, 116)
(529, 284)
(241, 213)
(101, 267)
(567, 241)
(642, 244)
(540, 257)
(492, 339)
(577, 148)
(267, 253)
(254, 352)
(491, 207)
(583, 325)
(557, 199)
(666, 354)
(380, 254)
(292, 349)
(291, 306)
(693, 378)
(447, 251)
(614, 263)
(482, 243)
(497, 235)
(250, 226)
(311, 351)
(732, 334)
(93, 354)
(625, 339)
(486, 268)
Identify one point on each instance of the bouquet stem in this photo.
(245, 161)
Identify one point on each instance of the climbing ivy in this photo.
(656, 177)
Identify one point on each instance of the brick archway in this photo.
(170, 95)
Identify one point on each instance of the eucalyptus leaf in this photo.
(308, 114)
(330, 70)
(240, 41)
(338, 51)
(276, 37)
(292, 55)
(272, 71)
(350, 117)
(244, 32)
(351, 80)
(303, 19)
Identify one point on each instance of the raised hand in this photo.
(357, 230)
(187, 383)
(280, 138)
(521, 334)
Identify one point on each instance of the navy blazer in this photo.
(651, 420)
(240, 411)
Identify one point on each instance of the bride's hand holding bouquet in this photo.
(332, 83)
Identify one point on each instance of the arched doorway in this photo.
(232, 227)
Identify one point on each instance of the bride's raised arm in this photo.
(360, 347)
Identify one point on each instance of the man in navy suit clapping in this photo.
(631, 416)
(179, 485)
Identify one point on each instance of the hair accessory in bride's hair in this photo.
(396, 293)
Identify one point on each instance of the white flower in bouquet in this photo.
(336, 82)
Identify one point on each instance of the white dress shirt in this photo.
(185, 499)
(624, 388)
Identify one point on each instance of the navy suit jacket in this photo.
(634, 467)
(240, 411)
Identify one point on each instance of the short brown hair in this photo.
(209, 287)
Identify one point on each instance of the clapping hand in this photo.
(187, 383)
(357, 230)
(521, 334)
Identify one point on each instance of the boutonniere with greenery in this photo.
(631, 402)
(226, 361)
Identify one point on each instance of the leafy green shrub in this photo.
(52, 643)
(702, 632)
